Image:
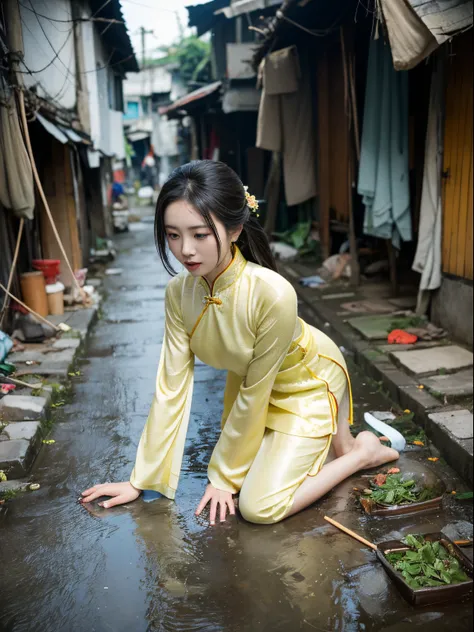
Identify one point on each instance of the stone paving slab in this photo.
(14, 486)
(51, 364)
(59, 318)
(375, 327)
(451, 384)
(403, 302)
(22, 408)
(14, 458)
(82, 319)
(458, 422)
(22, 430)
(425, 361)
(373, 306)
(420, 344)
(332, 297)
(67, 343)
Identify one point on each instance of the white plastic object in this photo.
(397, 440)
(55, 287)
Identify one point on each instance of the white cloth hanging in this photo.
(428, 252)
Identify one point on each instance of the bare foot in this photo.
(372, 452)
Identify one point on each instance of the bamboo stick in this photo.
(351, 533)
(12, 269)
(13, 380)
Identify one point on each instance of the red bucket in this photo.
(49, 267)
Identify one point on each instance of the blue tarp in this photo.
(384, 169)
(6, 344)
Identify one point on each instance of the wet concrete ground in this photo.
(153, 565)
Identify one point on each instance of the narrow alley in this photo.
(152, 565)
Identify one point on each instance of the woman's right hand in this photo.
(121, 493)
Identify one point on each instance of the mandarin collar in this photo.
(229, 275)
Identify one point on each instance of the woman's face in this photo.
(192, 242)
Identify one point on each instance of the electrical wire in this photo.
(314, 32)
(91, 19)
(49, 41)
(52, 98)
(57, 53)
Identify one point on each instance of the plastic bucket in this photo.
(33, 289)
(55, 294)
(49, 267)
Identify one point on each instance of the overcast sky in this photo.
(157, 15)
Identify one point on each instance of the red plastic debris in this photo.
(380, 479)
(400, 337)
(6, 388)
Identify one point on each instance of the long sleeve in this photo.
(242, 432)
(160, 451)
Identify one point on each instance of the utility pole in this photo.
(143, 33)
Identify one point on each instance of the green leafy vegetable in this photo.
(427, 563)
(464, 496)
(395, 491)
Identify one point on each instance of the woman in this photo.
(287, 396)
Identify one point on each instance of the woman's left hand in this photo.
(217, 497)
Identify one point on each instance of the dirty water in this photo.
(152, 565)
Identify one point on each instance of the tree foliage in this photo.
(192, 55)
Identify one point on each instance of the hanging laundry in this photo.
(428, 251)
(384, 171)
(285, 121)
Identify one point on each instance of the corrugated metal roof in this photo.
(115, 35)
(238, 7)
(204, 16)
(200, 93)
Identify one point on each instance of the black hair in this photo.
(212, 186)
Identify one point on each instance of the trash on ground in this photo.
(337, 266)
(145, 192)
(464, 496)
(7, 388)
(283, 251)
(401, 337)
(113, 271)
(34, 486)
(6, 343)
(312, 281)
(428, 332)
(397, 440)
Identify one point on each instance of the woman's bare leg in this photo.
(343, 441)
(351, 455)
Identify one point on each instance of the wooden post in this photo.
(323, 155)
(392, 261)
(349, 89)
(272, 193)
